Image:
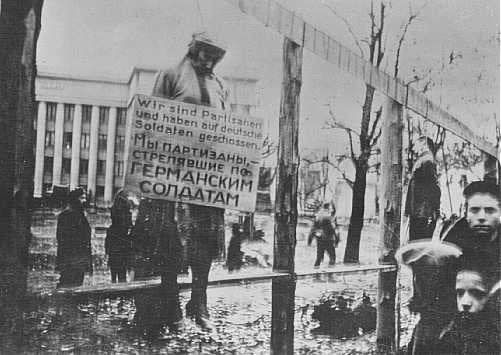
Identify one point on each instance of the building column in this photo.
(94, 139)
(58, 145)
(75, 147)
(40, 149)
(110, 156)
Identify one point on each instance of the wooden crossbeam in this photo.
(129, 288)
(288, 24)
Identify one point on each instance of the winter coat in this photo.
(181, 83)
(423, 194)
(118, 247)
(73, 241)
(323, 223)
(476, 334)
(442, 300)
(155, 241)
(485, 252)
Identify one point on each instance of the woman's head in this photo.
(123, 210)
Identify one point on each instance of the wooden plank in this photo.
(391, 199)
(130, 288)
(375, 77)
(284, 246)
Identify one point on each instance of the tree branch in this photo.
(411, 18)
(379, 36)
(343, 174)
(375, 123)
(348, 27)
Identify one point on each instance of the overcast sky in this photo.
(110, 37)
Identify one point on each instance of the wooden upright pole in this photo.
(283, 289)
(19, 30)
(391, 200)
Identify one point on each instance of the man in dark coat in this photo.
(422, 204)
(193, 81)
(74, 254)
(326, 236)
(118, 243)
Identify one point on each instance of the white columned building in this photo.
(40, 150)
(110, 156)
(75, 147)
(58, 145)
(94, 135)
(93, 164)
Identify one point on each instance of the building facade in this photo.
(80, 129)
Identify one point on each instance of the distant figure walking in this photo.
(74, 253)
(326, 236)
(118, 243)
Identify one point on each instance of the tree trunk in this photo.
(19, 29)
(351, 253)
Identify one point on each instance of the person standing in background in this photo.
(118, 243)
(422, 205)
(74, 253)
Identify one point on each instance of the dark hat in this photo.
(482, 187)
(207, 39)
(75, 194)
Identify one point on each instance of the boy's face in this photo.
(483, 214)
(471, 291)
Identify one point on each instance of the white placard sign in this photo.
(192, 153)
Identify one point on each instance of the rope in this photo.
(200, 14)
(447, 174)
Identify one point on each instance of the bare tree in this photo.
(370, 130)
(19, 29)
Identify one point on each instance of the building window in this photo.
(86, 113)
(119, 168)
(48, 163)
(119, 143)
(35, 119)
(69, 112)
(101, 167)
(85, 141)
(66, 166)
(67, 139)
(102, 141)
(51, 111)
(84, 166)
(104, 113)
(99, 191)
(122, 116)
(49, 138)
